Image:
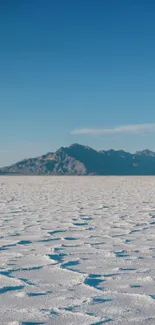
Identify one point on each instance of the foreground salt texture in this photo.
(77, 250)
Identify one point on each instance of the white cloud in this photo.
(135, 128)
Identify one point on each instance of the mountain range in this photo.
(83, 160)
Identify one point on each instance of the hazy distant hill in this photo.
(83, 160)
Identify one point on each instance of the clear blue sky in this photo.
(70, 70)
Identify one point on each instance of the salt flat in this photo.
(77, 250)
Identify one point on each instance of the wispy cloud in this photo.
(135, 128)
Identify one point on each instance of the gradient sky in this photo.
(76, 71)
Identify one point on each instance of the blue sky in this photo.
(76, 71)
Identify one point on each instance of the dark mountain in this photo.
(83, 160)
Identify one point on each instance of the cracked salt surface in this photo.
(77, 250)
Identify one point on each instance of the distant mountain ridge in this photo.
(83, 160)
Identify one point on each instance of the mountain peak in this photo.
(79, 146)
(146, 152)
